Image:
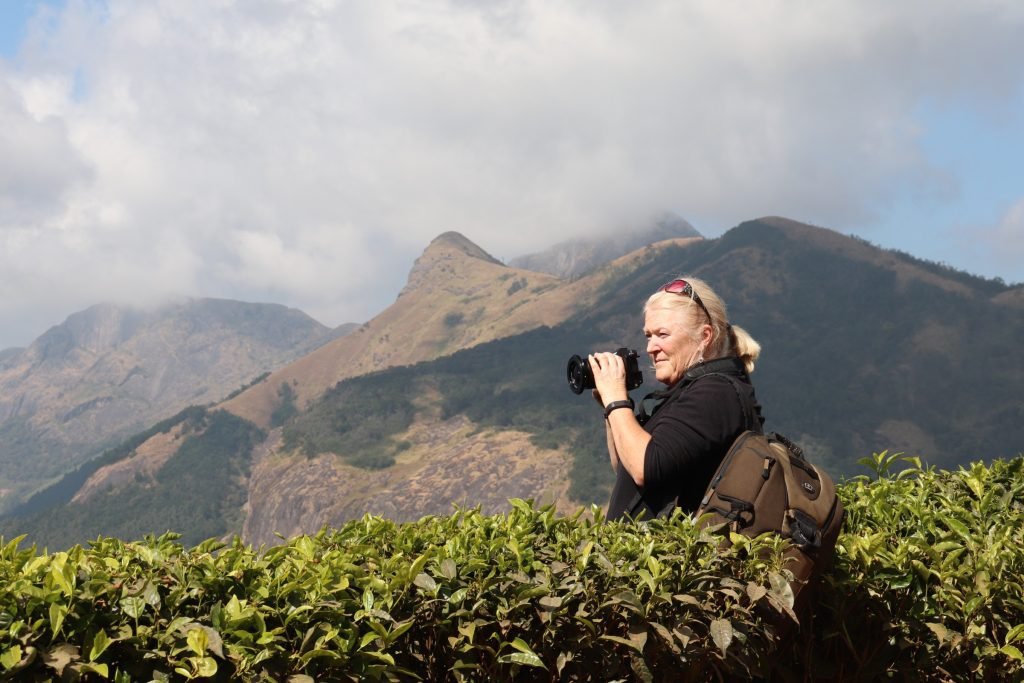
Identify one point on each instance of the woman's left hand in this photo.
(609, 376)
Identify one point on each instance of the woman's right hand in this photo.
(609, 377)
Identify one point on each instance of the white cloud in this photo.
(306, 152)
(1005, 243)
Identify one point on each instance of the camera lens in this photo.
(579, 375)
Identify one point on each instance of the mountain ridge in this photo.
(456, 296)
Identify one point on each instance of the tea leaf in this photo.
(59, 656)
(722, 633)
(133, 607)
(426, 582)
(100, 643)
(525, 655)
(448, 568)
(1012, 652)
(10, 657)
(57, 612)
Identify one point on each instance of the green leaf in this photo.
(134, 607)
(151, 595)
(100, 643)
(956, 525)
(11, 656)
(418, 564)
(1012, 652)
(100, 670)
(57, 614)
(521, 505)
(522, 646)
(399, 630)
(522, 658)
(197, 641)
(59, 574)
(525, 654)
(205, 667)
(1015, 634)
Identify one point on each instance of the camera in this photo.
(580, 376)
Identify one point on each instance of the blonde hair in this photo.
(726, 340)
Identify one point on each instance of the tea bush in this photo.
(927, 586)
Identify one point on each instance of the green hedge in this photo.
(927, 586)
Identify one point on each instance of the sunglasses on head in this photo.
(683, 287)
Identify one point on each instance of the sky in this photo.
(305, 152)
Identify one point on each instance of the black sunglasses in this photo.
(686, 289)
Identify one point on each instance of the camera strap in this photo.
(719, 366)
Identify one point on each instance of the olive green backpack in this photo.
(766, 485)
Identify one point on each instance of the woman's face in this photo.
(670, 343)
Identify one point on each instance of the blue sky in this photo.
(306, 153)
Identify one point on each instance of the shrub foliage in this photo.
(927, 586)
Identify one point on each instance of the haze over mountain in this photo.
(574, 257)
(109, 371)
(456, 393)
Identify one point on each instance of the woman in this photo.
(667, 459)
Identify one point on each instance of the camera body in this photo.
(581, 377)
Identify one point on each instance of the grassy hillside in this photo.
(199, 491)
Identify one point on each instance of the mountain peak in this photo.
(443, 257)
(458, 241)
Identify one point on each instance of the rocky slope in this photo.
(449, 463)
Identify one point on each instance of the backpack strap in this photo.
(748, 408)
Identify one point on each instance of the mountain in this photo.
(109, 371)
(457, 394)
(457, 296)
(573, 258)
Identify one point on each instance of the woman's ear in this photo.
(706, 335)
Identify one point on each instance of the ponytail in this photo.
(744, 346)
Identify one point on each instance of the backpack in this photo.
(764, 484)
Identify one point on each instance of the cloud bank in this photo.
(306, 152)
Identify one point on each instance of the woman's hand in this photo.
(627, 440)
(609, 377)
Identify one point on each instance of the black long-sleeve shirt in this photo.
(691, 431)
